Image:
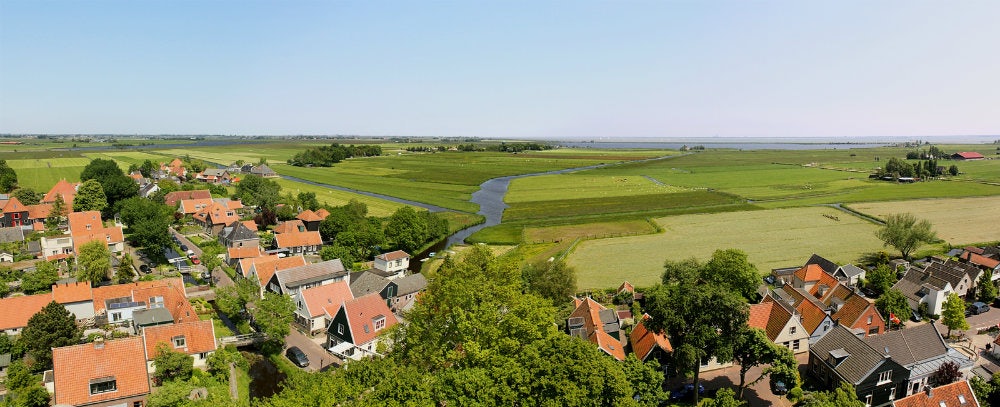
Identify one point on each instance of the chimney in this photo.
(928, 390)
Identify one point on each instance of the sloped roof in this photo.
(250, 224)
(815, 274)
(199, 337)
(316, 299)
(104, 293)
(237, 231)
(173, 198)
(626, 286)
(243, 252)
(11, 234)
(861, 358)
(12, 205)
(308, 216)
(911, 345)
(850, 270)
(812, 311)
(18, 310)
(644, 340)
(595, 316)
(364, 283)
(410, 284)
(983, 261)
(968, 155)
(310, 273)
(394, 255)
(298, 239)
(951, 271)
(769, 317)
(218, 213)
(64, 188)
(958, 394)
(246, 263)
(74, 367)
(827, 265)
(852, 305)
(289, 226)
(322, 213)
(361, 315)
(608, 344)
(266, 269)
(191, 206)
(66, 293)
(915, 281)
(39, 211)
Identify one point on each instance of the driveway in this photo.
(184, 241)
(319, 358)
(758, 395)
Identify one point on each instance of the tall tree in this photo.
(93, 262)
(553, 280)
(308, 200)
(125, 273)
(906, 233)
(8, 178)
(23, 388)
(27, 196)
(274, 314)
(882, 278)
(52, 327)
(953, 314)
(232, 300)
(986, 291)
(45, 275)
(90, 197)
(258, 191)
(55, 216)
(148, 222)
(732, 268)
(407, 229)
(171, 365)
(893, 303)
(752, 348)
(116, 185)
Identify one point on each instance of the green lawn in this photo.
(638, 205)
(376, 206)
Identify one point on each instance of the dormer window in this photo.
(179, 341)
(379, 322)
(103, 385)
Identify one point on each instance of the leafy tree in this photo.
(8, 178)
(701, 319)
(210, 255)
(274, 314)
(893, 302)
(52, 327)
(19, 376)
(732, 268)
(906, 233)
(407, 229)
(232, 300)
(116, 185)
(218, 362)
(125, 273)
(258, 191)
(90, 197)
(553, 280)
(171, 365)
(882, 278)
(986, 290)
(751, 349)
(947, 373)
(100, 168)
(843, 396)
(148, 223)
(93, 262)
(987, 392)
(724, 398)
(45, 275)
(336, 251)
(147, 168)
(953, 170)
(364, 239)
(24, 389)
(308, 200)
(953, 314)
(56, 214)
(646, 379)
(343, 218)
(27, 196)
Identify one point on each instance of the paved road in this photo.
(184, 241)
(756, 395)
(319, 358)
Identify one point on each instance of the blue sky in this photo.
(516, 69)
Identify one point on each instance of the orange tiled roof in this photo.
(290, 226)
(394, 255)
(245, 264)
(219, 213)
(949, 395)
(18, 310)
(814, 273)
(72, 292)
(626, 286)
(308, 216)
(812, 313)
(298, 239)
(266, 269)
(12, 205)
(644, 340)
(199, 337)
(244, 252)
(39, 211)
(362, 313)
(66, 189)
(984, 261)
(608, 344)
(174, 300)
(317, 299)
(121, 359)
(322, 213)
(174, 197)
(195, 205)
(250, 224)
(104, 293)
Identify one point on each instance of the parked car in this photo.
(144, 268)
(297, 356)
(184, 248)
(779, 388)
(194, 259)
(977, 308)
(686, 391)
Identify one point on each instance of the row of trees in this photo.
(896, 168)
(354, 236)
(326, 156)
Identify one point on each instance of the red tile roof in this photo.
(39, 211)
(266, 269)
(626, 286)
(394, 255)
(970, 155)
(290, 226)
(298, 239)
(813, 273)
(174, 197)
(66, 189)
(244, 252)
(246, 264)
(644, 340)
(317, 299)
(984, 261)
(174, 300)
(308, 216)
(72, 292)
(608, 344)
(322, 213)
(219, 213)
(361, 315)
(12, 205)
(250, 224)
(124, 360)
(199, 337)
(104, 293)
(18, 310)
(194, 205)
(949, 395)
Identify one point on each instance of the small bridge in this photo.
(243, 340)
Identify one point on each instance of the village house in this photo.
(850, 274)
(355, 327)
(14, 213)
(315, 306)
(238, 234)
(175, 168)
(597, 324)
(932, 283)
(781, 326)
(214, 176)
(194, 338)
(850, 309)
(842, 357)
(263, 170)
(263, 271)
(648, 345)
(298, 242)
(398, 293)
(217, 215)
(292, 280)
(67, 190)
(921, 350)
(289, 226)
(812, 314)
(393, 264)
(103, 373)
(958, 394)
(310, 220)
(174, 198)
(85, 227)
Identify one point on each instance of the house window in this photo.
(826, 326)
(379, 322)
(17, 216)
(795, 344)
(340, 329)
(791, 330)
(116, 316)
(103, 385)
(892, 394)
(870, 319)
(137, 404)
(884, 377)
(179, 341)
(868, 400)
(873, 330)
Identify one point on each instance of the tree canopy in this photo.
(254, 190)
(27, 196)
(553, 280)
(116, 185)
(326, 156)
(42, 279)
(8, 178)
(906, 233)
(274, 314)
(882, 278)
(893, 303)
(52, 327)
(148, 223)
(953, 313)
(93, 262)
(171, 365)
(986, 290)
(90, 197)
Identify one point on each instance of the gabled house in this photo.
(596, 323)
(87, 226)
(237, 234)
(985, 263)
(214, 176)
(648, 345)
(37, 215)
(781, 326)
(393, 264)
(217, 215)
(850, 274)
(13, 213)
(76, 297)
(193, 206)
(398, 293)
(855, 312)
(355, 327)
(299, 242)
(921, 350)
(117, 304)
(813, 314)
(235, 254)
(315, 306)
(842, 357)
(310, 219)
(175, 167)
(958, 394)
(828, 266)
(292, 280)
(147, 190)
(173, 198)
(921, 286)
(262, 271)
(19, 309)
(961, 276)
(264, 171)
(194, 338)
(814, 280)
(103, 373)
(62, 188)
(289, 226)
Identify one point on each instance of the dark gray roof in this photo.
(850, 270)
(34, 246)
(411, 284)
(784, 271)
(152, 316)
(911, 345)
(951, 271)
(262, 169)
(915, 284)
(237, 231)
(609, 318)
(827, 265)
(310, 273)
(366, 282)
(11, 234)
(861, 359)
(214, 171)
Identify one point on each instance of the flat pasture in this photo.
(772, 238)
(582, 185)
(588, 230)
(957, 221)
(637, 205)
(333, 197)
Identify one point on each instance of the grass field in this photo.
(376, 207)
(639, 205)
(957, 221)
(588, 230)
(581, 185)
(772, 238)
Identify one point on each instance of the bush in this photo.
(795, 395)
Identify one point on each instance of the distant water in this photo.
(736, 146)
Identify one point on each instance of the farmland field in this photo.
(700, 201)
(376, 207)
(772, 238)
(957, 221)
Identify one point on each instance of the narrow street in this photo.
(319, 358)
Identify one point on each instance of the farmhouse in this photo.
(315, 306)
(595, 323)
(967, 155)
(921, 350)
(173, 198)
(781, 326)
